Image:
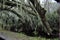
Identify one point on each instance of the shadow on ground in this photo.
(43, 34)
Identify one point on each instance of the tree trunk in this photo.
(41, 11)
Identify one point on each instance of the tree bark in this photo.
(41, 11)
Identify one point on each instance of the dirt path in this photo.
(13, 36)
(7, 35)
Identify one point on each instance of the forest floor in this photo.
(8, 35)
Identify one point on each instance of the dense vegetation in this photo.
(22, 19)
(30, 23)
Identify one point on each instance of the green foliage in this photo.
(27, 23)
(53, 20)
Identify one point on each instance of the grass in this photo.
(22, 36)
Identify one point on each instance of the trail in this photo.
(8, 37)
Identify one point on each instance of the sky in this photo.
(42, 1)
